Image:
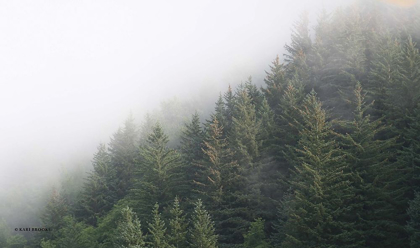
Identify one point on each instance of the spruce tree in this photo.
(191, 144)
(157, 230)
(255, 238)
(318, 209)
(128, 233)
(245, 131)
(123, 150)
(202, 232)
(158, 176)
(98, 194)
(178, 226)
(276, 82)
(53, 216)
(377, 181)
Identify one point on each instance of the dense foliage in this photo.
(325, 154)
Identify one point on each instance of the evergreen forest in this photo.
(324, 153)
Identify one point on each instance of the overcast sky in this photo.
(71, 71)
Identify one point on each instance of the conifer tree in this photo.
(255, 238)
(98, 194)
(128, 233)
(123, 150)
(245, 130)
(75, 234)
(376, 180)
(202, 233)
(53, 216)
(223, 185)
(157, 230)
(191, 145)
(178, 226)
(276, 82)
(158, 175)
(299, 49)
(321, 189)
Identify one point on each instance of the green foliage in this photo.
(123, 151)
(16, 241)
(342, 178)
(202, 233)
(98, 194)
(53, 216)
(245, 130)
(4, 232)
(178, 226)
(158, 175)
(75, 234)
(128, 233)
(321, 190)
(255, 238)
(414, 223)
(157, 230)
(47, 244)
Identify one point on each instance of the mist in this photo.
(72, 71)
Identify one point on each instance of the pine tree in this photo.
(53, 216)
(245, 130)
(75, 234)
(223, 185)
(158, 176)
(299, 49)
(255, 238)
(321, 190)
(157, 230)
(276, 82)
(128, 233)
(376, 180)
(202, 232)
(178, 226)
(123, 150)
(384, 74)
(98, 194)
(191, 145)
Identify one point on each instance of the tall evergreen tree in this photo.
(202, 233)
(245, 130)
(157, 230)
(321, 190)
(178, 226)
(98, 195)
(53, 216)
(123, 150)
(191, 145)
(158, 176)
(377, 182)
(255, 238)
(128, 233)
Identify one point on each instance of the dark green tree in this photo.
(128, 233)
(255, 238)
(414, 223)
(178, 226)
(98, 195)
(158, 236)
(158, 176)
(123, 150)
(202, 233)
(318, 209)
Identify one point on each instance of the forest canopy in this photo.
(325, 154)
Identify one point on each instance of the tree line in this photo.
(325, 154)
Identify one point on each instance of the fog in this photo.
(72, 71)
